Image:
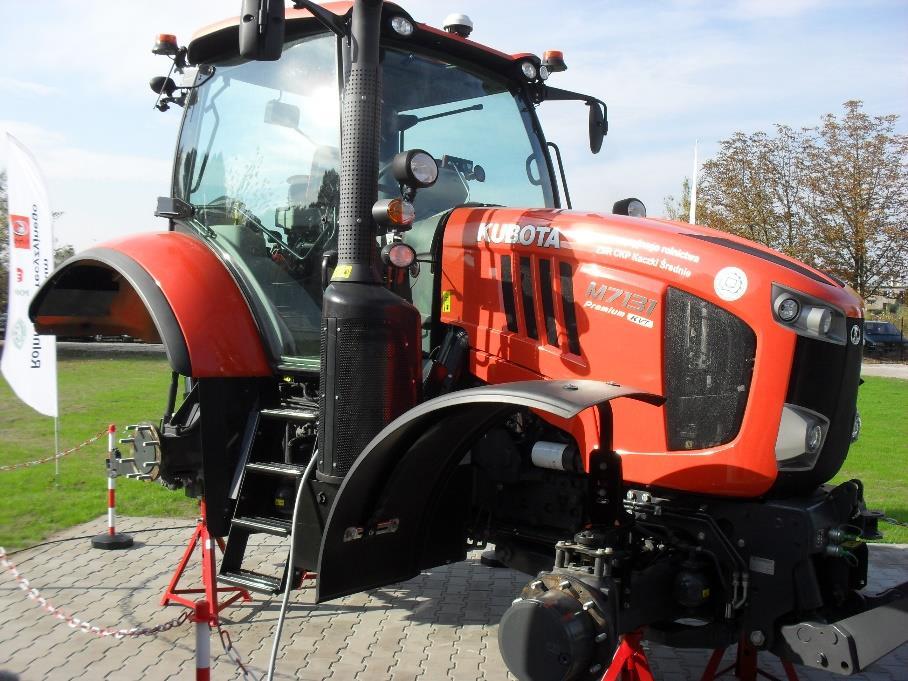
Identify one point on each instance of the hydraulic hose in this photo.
(290, 563)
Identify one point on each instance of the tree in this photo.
(751, 188)
(856, 170)
(834, 196)
(679, 209)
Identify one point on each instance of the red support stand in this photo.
(209, 572)
(745, 665)
(629, 662)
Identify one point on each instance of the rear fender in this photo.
(163, 287)
(399, 510)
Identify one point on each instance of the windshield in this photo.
(259, 159)
(479, 132)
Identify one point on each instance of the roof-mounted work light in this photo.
(415, 168)
(402, 26)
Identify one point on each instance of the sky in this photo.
(74, 86)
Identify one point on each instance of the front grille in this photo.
(709, 357)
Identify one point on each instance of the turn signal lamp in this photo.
(553, 60)
(166, 43)
(394, 213)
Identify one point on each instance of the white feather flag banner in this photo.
(29, 361)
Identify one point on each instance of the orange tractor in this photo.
(391, 364)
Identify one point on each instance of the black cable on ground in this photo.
(91, 536)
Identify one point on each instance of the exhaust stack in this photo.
(370, 354)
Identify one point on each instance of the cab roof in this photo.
(221, 39)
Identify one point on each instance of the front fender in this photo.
(164, 287)
(391, 517)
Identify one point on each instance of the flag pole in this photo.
(692, 218)
(57, 448)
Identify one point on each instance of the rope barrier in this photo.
(84, 625)
(60, 455)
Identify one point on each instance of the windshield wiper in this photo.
(407, 121)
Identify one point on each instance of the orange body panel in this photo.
(220, 332)
(624, 342)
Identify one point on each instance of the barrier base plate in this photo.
(110, 542)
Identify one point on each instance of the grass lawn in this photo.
(93, 394)
(880, 456)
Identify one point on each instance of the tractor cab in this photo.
(259, 157)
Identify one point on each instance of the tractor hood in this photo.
(655, 304)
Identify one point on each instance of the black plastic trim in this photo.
(507, 293)
(763, 255)
(567, 304)
(526, 297)
(548, 302)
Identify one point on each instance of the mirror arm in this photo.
(557, 94)
(329, 20)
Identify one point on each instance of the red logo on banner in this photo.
(21, 227)
(20, 275)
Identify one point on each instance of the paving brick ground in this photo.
(440, 625)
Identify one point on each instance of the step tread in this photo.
(304, 414)
(276, 468)
(275, 526)
(254, 581)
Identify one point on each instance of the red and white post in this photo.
(111, 539)
(202, 619)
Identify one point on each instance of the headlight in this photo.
(802, 433)
(529, 70)
(788, 310)
(808, 316)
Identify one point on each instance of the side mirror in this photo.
(262, 29)
(597, 127)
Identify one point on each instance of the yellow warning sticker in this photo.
(446, 301)
(343, 272)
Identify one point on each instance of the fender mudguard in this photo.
(165, 288)
(400, 510)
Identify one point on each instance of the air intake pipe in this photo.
(370, 337)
